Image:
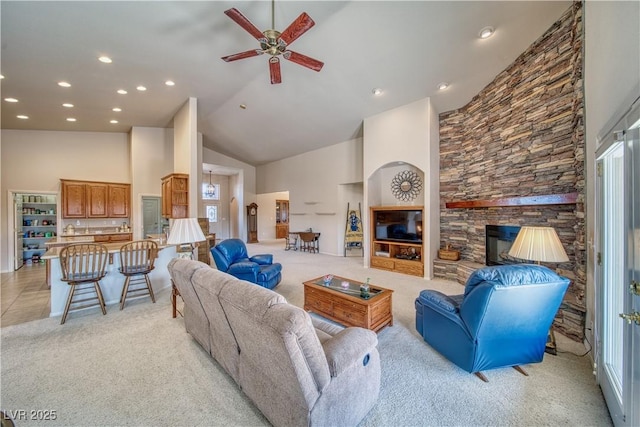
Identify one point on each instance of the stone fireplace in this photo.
(514, 156)
(498, 240)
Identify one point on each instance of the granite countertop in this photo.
(64, 240)
(93, 233)
(113, 248)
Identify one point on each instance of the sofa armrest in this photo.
(348, 347)
(243, 267)
(262, 259)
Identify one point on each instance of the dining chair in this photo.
(136, 262)
(83, 265)
(291, 242)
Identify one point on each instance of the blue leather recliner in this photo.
(502, 319)
(231, 257)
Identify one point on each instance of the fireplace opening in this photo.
(498, 241)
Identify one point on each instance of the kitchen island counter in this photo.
(111, 285)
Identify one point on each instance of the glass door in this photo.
(617, 272)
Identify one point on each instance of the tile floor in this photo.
(24, 295)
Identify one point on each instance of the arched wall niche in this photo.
(388, 186)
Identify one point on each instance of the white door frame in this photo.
(621, 391)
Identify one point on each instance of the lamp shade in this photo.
(538, 244)
(185, 230)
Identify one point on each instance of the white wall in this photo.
(35, 161)
(187, 152)
(611, 83)
(242, 189)
(406, 134)
(267, 213)
(151, 159)
(315, 182)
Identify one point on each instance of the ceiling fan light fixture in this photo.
(486, 32)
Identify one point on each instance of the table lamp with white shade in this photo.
(183, 232)
(540, 244)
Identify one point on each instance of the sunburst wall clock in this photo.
(406, 185)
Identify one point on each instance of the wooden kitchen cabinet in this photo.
(175, 196)
(89, 199)
(74, 200)
(97, 200)
(119, 197)
(110, 238)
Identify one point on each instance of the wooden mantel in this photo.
(548, 199)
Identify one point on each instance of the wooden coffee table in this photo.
(346, 306)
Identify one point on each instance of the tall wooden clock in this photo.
(252, 223)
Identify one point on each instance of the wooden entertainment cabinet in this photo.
(399, 256)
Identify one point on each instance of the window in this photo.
(212, 213)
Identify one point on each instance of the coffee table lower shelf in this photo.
(374, 313)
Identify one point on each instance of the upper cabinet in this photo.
(175, 196)
(88, 199)
(74, 199)
(119, 197)
(97, 200)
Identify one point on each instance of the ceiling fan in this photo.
(275, 43)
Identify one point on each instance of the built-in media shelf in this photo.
(400, 252)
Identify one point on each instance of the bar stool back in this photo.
(136, 262)
(83, 265)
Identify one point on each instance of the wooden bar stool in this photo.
(83, 265)
(136, 262)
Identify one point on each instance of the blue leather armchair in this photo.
(502, 319)
(231, 257)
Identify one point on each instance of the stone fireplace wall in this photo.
(523, 135)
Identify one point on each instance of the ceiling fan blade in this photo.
(242, 20)
(297, 28)
(274, 68)
(242, 55)
(303, 60)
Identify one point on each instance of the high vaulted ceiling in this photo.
(404, 48)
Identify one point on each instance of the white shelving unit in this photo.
(38, 225)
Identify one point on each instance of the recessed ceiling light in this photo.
(71, 119)
(1, 77)
(443, 86)
(67, 105)
(105, 59)
(243, 106)
(122, 91)
(116, 109)
(141, 88)
(22, 116)
(377, 91)
(11, 100)
(113, 122)
(486, 32)
(64, 84)
(170, 83)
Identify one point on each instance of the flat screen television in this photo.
(398, 225)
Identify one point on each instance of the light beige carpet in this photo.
(139, 367)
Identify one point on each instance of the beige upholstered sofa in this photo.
(297, 370)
